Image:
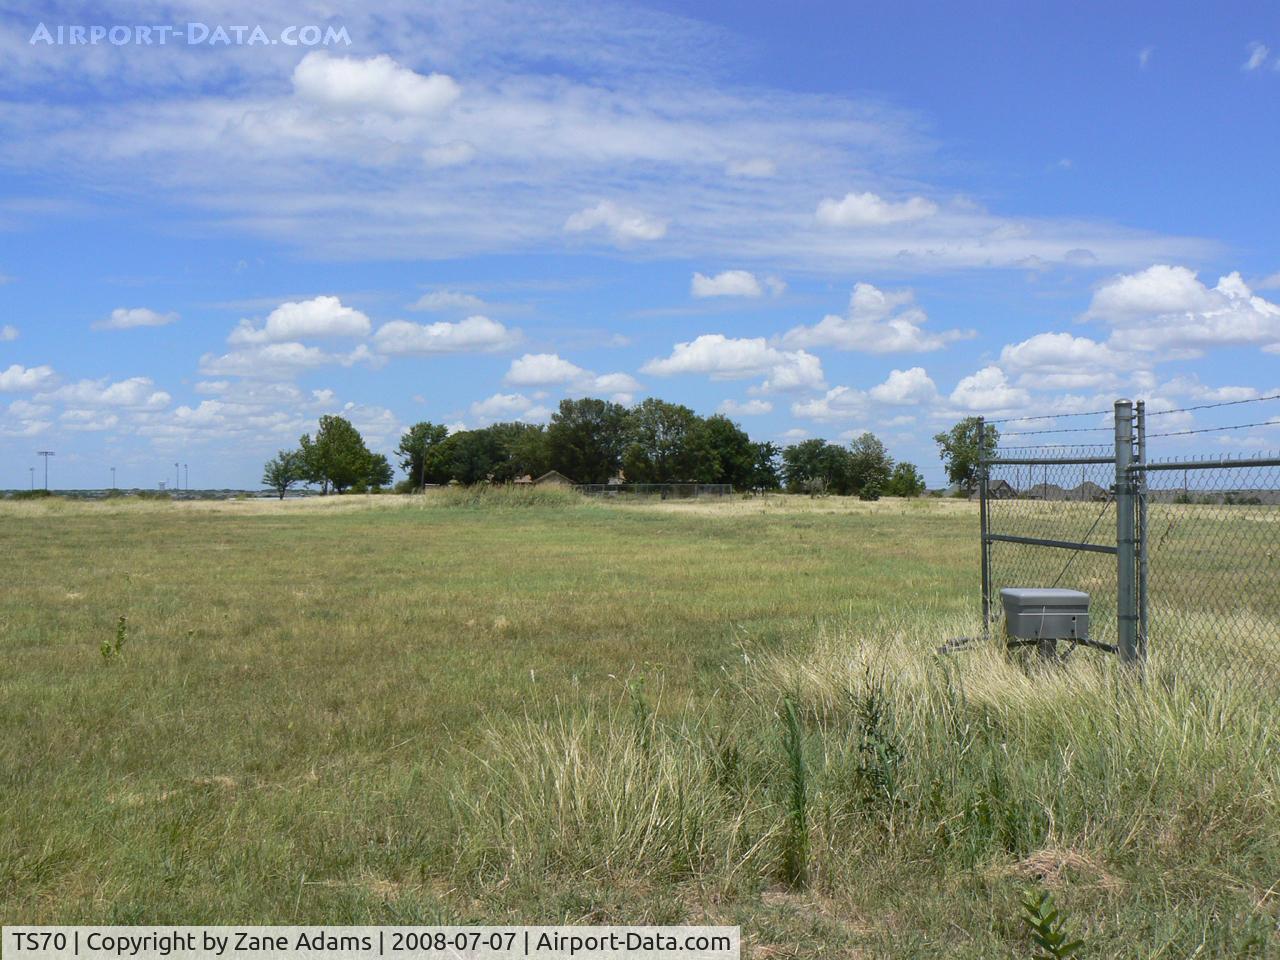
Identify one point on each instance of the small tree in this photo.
(869, 466)
(415, 448)
(282, 471)
(764, 467)
(905, 481)
(817, 467)
(379, 472)
(958, 448)
(337, 457)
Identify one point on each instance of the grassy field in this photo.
(496, 709)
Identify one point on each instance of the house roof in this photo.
(553, 475)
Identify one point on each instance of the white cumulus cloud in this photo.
(730, 283)
(903, 387)
(477, 334)
(839, 403)
(135, 393)
(374, 83)
(550, 369)
(542, 369)
(730, 358)
(1051, 361)
(278, 361)
(19, 378)
(878, 321)
(623, 224)
(989, 391)
(510, 406)
(1168, 309)
(8, 332)
(872, 210)
(745, 408)
(306, 319)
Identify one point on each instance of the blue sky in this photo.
(819, 218)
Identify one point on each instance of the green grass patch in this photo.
(520, 706)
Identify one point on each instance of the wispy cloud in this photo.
(1258, 53)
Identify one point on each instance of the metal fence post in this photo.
(1142, 538)
(982, 526)
(1126, 558)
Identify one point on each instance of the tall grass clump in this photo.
(859, 757)
(606, 795)
(795, 847)
(984, 761)
(500, 496)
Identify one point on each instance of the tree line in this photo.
(590, 440)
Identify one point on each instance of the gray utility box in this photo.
(1040, 614)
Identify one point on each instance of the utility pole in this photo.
(177, 478)
(46, 454)
(113, 478)
(186, 475)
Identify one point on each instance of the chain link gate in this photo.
(1190, 547)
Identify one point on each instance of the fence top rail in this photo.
(1045, 461)
(1220, 463)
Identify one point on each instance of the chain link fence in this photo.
(1213, 549)
(1180, 556)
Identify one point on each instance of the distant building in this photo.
(1047, 491)
(1089, 491)
(1001, 490)
(525, 481)
(553, 478)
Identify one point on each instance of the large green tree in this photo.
(764, 466)
(337, 458)
(905, 481)
(585, 439)
(283, 470)
(668, 443)
(869, 466)
(415, 447)
(734, 452)
(815, 466)
(379, 472)
(958, 448)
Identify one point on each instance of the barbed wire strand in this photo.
(1234, 426)
(1099, 413)
(1210, 406)
(1033, 433)
(1048, 416)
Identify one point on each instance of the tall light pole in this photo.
(113, 478)
(177, 477)
(186, 475)
(46, 454)
(33, 477)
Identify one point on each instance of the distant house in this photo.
(1001, 490)
(1089, 491)
(525, 481)
(996, 490)
(553, 478)
(1047, 491)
